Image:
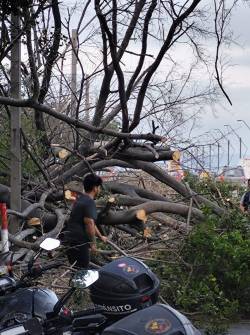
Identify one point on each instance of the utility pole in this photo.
(210, 157)
(240, 139)
(203, 157)
(240, 146)
(73, 112)
(87, 103)
(73, 71)
(191, 161)
(228, 150)
(218, 156)
(15, 122)
(197, 158)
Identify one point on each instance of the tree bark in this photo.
(127, 189)
(139, 213)
(165, 178)
(146, 155)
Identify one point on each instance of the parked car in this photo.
(232, 175)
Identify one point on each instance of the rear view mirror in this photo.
(50, 244)
(84, 278)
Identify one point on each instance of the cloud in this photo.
(240, 24)
(239, 77)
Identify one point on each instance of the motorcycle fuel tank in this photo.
(26, 303)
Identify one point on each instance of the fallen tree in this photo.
(130, 125)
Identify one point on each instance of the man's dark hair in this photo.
(90, 181)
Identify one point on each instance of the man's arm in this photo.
(98, 234)
(90, 229)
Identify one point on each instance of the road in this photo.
(240, 329)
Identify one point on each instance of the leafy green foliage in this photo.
(4, 148)
(211, 275)
(215, 190)
(29, 168)
(34, 145)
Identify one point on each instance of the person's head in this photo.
(92, 183)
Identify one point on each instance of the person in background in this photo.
(81, 230)
(245, 199)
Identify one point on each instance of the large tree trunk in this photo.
(140, 212)
(80, 169)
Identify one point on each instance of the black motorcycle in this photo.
(156, 319)
(118, 290)
(124, 286)
(19, 301)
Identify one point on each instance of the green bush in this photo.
(211, 275)
(29, 168)
(216, 191)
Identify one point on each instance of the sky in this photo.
(237, 86)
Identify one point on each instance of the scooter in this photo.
(156, 319)
(124, 286)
